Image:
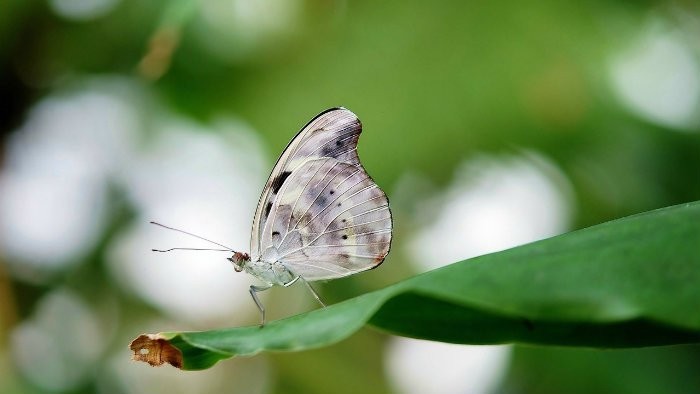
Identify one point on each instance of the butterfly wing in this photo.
(332, 133)
(327, 218)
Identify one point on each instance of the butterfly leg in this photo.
(291, 282)
(311, 289)
(253, 292)
(308, 286)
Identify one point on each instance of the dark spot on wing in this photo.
(363, 229)
(339, 204)
(279, 181)
(321, 200)
(267, 208)
(332, 192)
(337, 143)
(345, 236)
(305, 220)
(344, 220)
(275, 233)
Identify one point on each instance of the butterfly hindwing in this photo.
(332, 134)
(329, 220)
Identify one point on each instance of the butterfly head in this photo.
(239, 260)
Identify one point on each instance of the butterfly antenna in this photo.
(190, 234)
(171, 249)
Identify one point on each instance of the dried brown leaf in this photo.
(155, 350)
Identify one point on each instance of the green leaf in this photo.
(627, 283)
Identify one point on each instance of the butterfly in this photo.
(320, 216)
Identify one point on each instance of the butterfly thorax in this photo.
(272, 272)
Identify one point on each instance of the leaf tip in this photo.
(155, 350)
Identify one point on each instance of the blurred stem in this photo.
(8, 312)
(165, 39)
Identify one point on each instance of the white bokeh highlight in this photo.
(494, 203)
(57, 347)
(453, 368)
(52, 189)
(78, 146)
(83, 155)
(246, 27)
(82, 10)
(204, 182)
(658, 78)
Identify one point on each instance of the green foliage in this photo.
(437, 86)
(631, 282)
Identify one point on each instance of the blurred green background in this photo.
(488, 124)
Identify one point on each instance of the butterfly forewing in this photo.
(333, 133)
(321, 214)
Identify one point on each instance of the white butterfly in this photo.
(320, 216)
